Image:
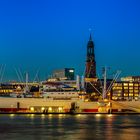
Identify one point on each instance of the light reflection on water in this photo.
(69, 127)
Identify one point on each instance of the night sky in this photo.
(50, 34)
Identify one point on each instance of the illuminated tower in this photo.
(90, 73)
(90, 61)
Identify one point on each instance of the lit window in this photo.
(125, 84)
(32, 108)
(125, 94)
(50, 109)
(130, 84)
(125, 87)
(42, 108)
(60, 108)
(71, 70)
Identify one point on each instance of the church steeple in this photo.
(90, 61)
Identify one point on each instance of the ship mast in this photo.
(2, 70)
(104, 87)
(26, 90)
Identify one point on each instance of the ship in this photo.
(69, 102)
(58, 97)
(64, 100)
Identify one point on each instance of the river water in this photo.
(69, 127)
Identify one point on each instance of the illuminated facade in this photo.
(121, 90)
(131, 79)
(125, 90)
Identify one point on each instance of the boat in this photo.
(63, 99)
(65, 103)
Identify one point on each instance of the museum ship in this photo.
(65, 100)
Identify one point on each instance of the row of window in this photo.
(126, 94)
(130, 87)
(63, 93)
(125, 84)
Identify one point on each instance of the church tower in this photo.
(90, 60)
(90, 70)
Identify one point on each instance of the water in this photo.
(69, 127)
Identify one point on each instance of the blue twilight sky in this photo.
(52, 34)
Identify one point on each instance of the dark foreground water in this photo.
(69, 127)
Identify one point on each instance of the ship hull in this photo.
(45, 106)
